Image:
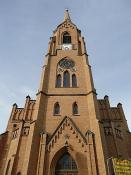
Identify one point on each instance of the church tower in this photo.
(66, 130)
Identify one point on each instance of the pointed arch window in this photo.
(75, 108)
(57, 109)
(66, 38)
(58, 81)
(66, 163)
(74, 81)
(66, 79)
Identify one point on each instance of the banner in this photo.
(121, 167)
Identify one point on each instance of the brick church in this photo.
(67, 130)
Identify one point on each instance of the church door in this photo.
(66, 166)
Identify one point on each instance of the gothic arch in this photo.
(58, 156)
(58, 81)
(66, 79)
(74, 80)
(66, 164)
(75, 108)
(56, 108)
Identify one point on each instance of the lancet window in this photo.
(74, 81)
(75, 108)
(66, 79)
(56, 109)
(58, 81)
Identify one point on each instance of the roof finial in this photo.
(66, 15)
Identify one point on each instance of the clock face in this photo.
(66, 63)
(66, 47)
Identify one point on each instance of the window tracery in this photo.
(66, 163)
(65, 73)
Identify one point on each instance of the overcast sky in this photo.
(25, 28)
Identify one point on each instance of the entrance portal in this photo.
(66, 166)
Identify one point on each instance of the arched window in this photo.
(56, 109)
(66, 164)
(58, 81)
(74, 81)
(66, 38)
(75, 108)
(66, 79)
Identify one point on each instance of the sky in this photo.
(25, 29)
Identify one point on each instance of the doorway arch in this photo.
(66, 165)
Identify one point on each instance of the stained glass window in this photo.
(66, 163)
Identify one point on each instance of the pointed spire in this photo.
(66, 15)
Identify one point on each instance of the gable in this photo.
(66, 123)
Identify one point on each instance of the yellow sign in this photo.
(121, 167)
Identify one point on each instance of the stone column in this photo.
(91, 157)
(41, 158)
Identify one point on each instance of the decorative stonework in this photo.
(18, 114)
(108, 131)
(15, 133)
(25, 131)
(66, 63)
(67, 24)
(67, 122)
(118, 133)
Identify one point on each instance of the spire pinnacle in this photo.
(66, 15)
